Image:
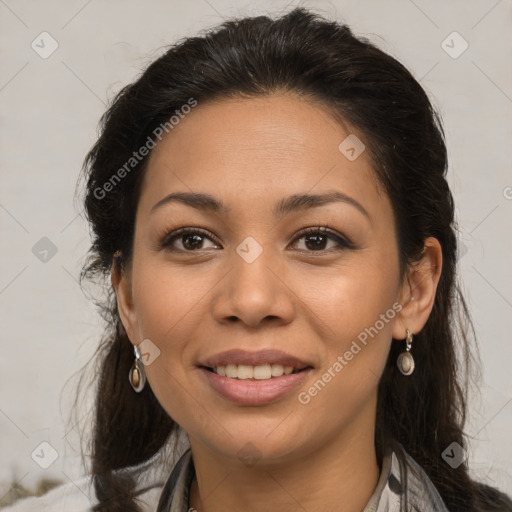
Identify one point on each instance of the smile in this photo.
(254, 378)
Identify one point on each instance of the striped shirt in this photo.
(164, 486)
(402, 487)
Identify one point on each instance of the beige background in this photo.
(50, 110)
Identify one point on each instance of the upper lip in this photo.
(260, 357)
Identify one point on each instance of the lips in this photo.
(254, 378)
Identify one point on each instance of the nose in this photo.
(255, 292)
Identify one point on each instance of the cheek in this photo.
(167, 298)
(354, 358)
(169, 303)
(350, 299)
(359, 307)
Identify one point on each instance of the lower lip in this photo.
(255, 392)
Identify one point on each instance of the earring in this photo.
(137, 375)
(405, 361)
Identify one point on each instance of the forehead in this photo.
(256, 150)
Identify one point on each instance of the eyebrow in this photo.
(296, 202)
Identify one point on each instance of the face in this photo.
(262, 283)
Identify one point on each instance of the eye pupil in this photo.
(197, 241)
(319, 241)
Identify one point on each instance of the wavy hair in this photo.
(305, 54)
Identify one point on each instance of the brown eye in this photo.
(186, 240)
(191, 241)
(317, 240)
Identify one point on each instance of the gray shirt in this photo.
(163, 485)
(402, 487)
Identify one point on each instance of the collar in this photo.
(402, 486)
(176, 491)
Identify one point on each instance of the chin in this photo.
(257, 441)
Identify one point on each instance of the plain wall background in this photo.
(50, 110)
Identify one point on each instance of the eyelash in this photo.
(343, 243)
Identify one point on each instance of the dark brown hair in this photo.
(305, 54)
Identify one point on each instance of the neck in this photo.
(342, 475)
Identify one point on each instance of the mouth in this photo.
(254, 378)
(260, 365)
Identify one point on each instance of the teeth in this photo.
(231, 371)
(277, 370)
(260, 372)
(245, 372)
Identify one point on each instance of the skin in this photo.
(307, 301)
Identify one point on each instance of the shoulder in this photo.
(413, 484)
(78, 496)
(495, 500)
(422, 492)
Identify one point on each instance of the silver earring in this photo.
(405, 361)
(137, 375)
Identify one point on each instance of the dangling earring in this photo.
(405, 361)
(137, 375)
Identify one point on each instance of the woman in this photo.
(270, 203)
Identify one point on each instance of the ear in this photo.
(419, 290)
(122, 283)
